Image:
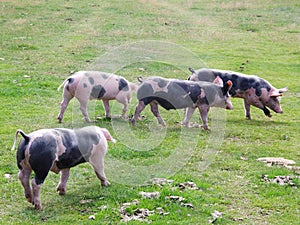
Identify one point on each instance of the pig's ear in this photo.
(278, 92)
(275, 93)
(229, 83)
(218, 81)
(281, 90)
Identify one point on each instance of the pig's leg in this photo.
(267, 112)
(188, 114)
(203, 109)
(83, 109)
(24, 176)
(41, 167)
(259, 105)
(107, 108)
(61, 188)
(36, 189)
(154, 110)
(247, 110)
(124, 100)
(97, 161)
(139, 108)
(64, 104)
(124, 110)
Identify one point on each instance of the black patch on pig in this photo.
(21, 151)
(195, 92)
(145, 93)
(84, 85)
(166, 104)
(42, 154)
(79, 151)
(91, 80)
(261, 84)
(258, 91)
(105, 76)
(160, 82)
(123, 85)
(70, 81)
(98, 92)
(179, 95)
(244, 85)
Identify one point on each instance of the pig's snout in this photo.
(278, 110)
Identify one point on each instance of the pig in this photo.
(253, 89)
(58, 150)
(88, 85)
(181, 94)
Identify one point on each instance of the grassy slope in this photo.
(47, 40)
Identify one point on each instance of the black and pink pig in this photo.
(58, 150)
(253, 89)
(182, 94)
(89, 85)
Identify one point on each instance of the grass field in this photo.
(43, 42)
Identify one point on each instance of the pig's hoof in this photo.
(133, 122)
(29, 200)
(28, 197)
(38, 206)
(205, 127)
(105, 183)
(61, 191)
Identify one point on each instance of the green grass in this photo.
(42, 42)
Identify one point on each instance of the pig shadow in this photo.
(255, 122)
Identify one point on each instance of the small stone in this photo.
(276, 161)
(216, 214)
(188, 205)
(175, 198)
(189, 185)
(83, 201)
(161, 181)
(149, 194)
(92, 217)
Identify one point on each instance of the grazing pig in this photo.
(254, 90)
(178, 94)
(88, 85)
(58, 150)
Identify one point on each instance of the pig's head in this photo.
(273, 102)
(224, 97)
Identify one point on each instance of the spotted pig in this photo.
(179, 94)
(58, 150)
(88, 85)
(254, 90)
